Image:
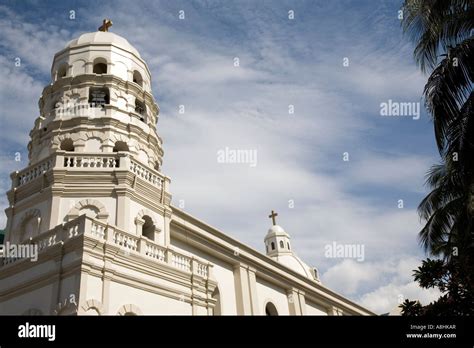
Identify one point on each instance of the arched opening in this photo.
(67, 145)
(129, 310)
(137, 78)
(99, 96)
(282, 245)
(62, 71)
(270, 309)
(288, 243)
(266, 247)
(120, 146)
(92, 312)
(148, 228)
(100, 66)
(273, 246)
(90, 211)
(29, 228)
(217, 296)
(140, 108)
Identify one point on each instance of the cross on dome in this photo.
(106, 24)
(272, 216)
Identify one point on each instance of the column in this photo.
(253, 291)
(123, 210)
(242, 290)
(293, 301)
(302, 302)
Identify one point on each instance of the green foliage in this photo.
(443, 33)
(411, 308)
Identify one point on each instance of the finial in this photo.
(106, 24)
(272, 216)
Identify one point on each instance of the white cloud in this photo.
(299, 156)
(384, 284)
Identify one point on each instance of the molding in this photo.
(93, 304)
(129, 308)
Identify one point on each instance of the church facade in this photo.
(95, 207)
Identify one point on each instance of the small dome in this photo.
(100, 37)
(296, 264)
(275, 231)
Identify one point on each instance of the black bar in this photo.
(192, 331)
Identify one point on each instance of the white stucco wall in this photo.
(314, 309)
(149, 303)
(268, 292)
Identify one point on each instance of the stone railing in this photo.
(132, 243)
(123, 239)
(182, 262)
(84, 225)
(127, 241)
(156, 252)
(33, 172)
(147, 174)
(57, 235)
(91, 161)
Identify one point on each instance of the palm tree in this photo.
(443, 31)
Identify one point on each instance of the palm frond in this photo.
(435, 25)
(448, 88)
(439, 225)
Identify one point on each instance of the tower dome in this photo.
(103, 38)
(96, 137)
(100, 100)
(278, 247)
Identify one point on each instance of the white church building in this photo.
(95, 205)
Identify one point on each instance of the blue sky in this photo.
(282, 62)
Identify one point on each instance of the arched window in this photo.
(273, 246)
(62, 71)
(100, 66)
(29, 228)
(67, 145)
(99, 96)
(266, 247)
(137, 78)
(90, 211)
(29, 225)
(288, 246)
(120, 146)
(217, 296)
(140, 108)
(270, 309)
(148, 228)
(282, 245)
(129, 309)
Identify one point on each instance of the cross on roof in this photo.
(106, 24)
(272, 216)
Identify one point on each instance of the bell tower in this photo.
(94, 148)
